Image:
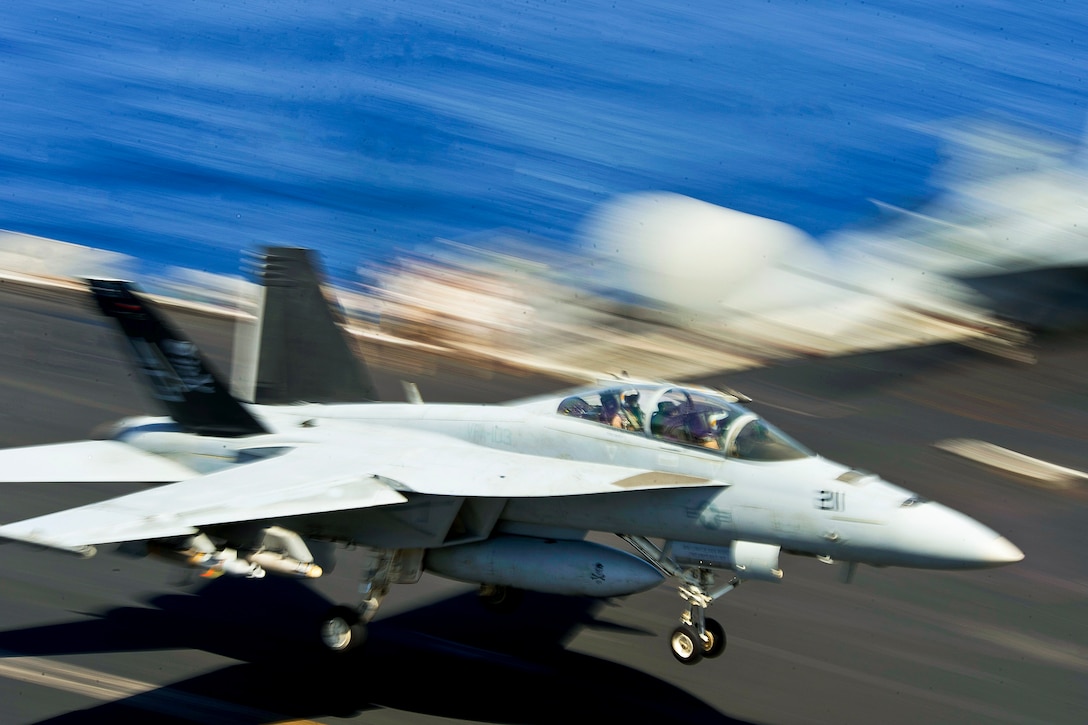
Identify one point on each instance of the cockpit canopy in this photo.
(694, 417)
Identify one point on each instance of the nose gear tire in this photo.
(715, 644)
(686, 645)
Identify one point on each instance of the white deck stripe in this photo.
(113, 688)
(998, 457)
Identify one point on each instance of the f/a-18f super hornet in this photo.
(701, 488)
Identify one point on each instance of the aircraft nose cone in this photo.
(935, 536)
(1002, 551)
(976, 545)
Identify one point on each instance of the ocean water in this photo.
(185, 132)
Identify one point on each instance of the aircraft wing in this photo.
(297, 483)
(329, 476)
(88, 462)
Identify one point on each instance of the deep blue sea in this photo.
(184, 132)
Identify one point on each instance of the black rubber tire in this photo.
(716, 645)
(686, 645)
(341, 629)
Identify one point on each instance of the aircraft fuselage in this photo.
(803, 504)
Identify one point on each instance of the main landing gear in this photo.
(698, 636)
(343, 628)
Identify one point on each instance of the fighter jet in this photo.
(696, 487)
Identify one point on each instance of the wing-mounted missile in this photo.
(279, 551)
(278, 563)
(552, 566)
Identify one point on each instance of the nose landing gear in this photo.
(698, 636)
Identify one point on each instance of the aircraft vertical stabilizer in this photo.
(303, 352)
(179, 377)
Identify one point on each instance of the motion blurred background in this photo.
(660, 188)
(787, 177)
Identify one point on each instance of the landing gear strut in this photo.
(343, 628)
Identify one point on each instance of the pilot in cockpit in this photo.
(706, 430)
(667, 422)
(610, 410)
(632, 410)
(615, 414)
(682, 424)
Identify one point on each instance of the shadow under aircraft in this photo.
(452, 659)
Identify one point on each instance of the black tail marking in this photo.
(177, 373)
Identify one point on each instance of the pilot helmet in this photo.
(630, 398)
